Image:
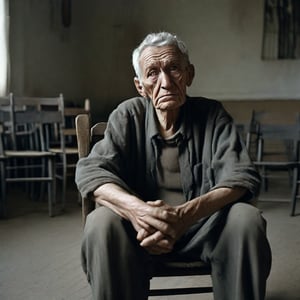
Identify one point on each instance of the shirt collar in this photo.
(152, 122)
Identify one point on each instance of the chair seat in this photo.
(179, 268)
(12, 153)
(68, 150)
(182, 268)
(276, 164)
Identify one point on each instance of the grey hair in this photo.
(157, 40)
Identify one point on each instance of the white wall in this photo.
(92, 57)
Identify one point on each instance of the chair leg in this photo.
(3, 208)
(44, 173)
(79, 199)
(61, 176)
(295, 195)
(51, 187)
(180, 291)
(64, 182)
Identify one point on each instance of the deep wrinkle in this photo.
(165, 75)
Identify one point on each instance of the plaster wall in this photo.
(92, 58)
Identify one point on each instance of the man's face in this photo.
(165, 74)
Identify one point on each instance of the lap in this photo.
(103, 226)
(234, 220)
(238, 219)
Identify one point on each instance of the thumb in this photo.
(156, 203)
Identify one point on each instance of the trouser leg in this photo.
(241, 258)
(112, 259)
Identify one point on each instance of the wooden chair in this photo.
(3, 209)
(275, 150)
(28, 158)
(67, 156)
(5, 124)
(163, 269)
(6, 118)
(85, 134)
(296, 189)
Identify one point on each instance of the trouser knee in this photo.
(112, 258)
(245, 221)
(101, 224)
(104, 233)
(243, 237)
(241, 259)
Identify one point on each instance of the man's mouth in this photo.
(166, 97)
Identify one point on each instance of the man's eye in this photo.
(175, 71)
(152, 73)
(174, 68)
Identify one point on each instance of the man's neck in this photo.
(168, 122)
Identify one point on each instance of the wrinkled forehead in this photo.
(154, 55)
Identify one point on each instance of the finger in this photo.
(152, 239)
(162, 211)
(166, 244)
(145, 225)
(165, 227)
(165, 214)
(142, 233)
(155, 203)
(157, 250)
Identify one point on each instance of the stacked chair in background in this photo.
(28, 124)
(3, 211)
(274, 147)
(38, 147)
(67, 156)
(4, 125)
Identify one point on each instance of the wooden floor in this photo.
(40, 256)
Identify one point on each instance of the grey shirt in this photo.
(211, 153)
(168, 172)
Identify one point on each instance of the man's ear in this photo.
(191, 74)
(139, 87)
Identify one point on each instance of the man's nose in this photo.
(165, 79)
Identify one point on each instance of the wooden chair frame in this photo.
(3, 209)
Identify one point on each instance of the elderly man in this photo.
(173, 179)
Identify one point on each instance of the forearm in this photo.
(139, 213)
(117, 199)
(209, 203)
(190, 212)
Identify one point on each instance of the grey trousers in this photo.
(233, 241)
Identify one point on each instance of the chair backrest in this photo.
(5, 109)
(7, 119)
(1, 144)
(37, 117)
(270, 138)
(82, 123)
(70, 113)
(85, 136)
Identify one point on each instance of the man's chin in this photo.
(167, 106)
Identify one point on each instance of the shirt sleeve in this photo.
(231, 164)
(106, 162)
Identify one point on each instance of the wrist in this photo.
(188, 212)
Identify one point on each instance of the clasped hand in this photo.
(158, 226)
